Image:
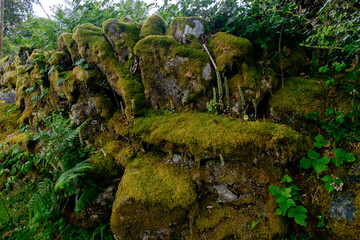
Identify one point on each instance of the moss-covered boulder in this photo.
(206, 137)
(293, 61)
(302, 96)
(122, 37)
(67, 45)
(24, 53)
(154, 25)
(153, 198)
(187, 28)
(96, 49)
(96, 107)
(230, 52)
(60, 59)
(8, 122)
(171, 72)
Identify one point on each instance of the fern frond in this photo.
(4, 213)
(42, 201)
(87, 197)
(72, 174)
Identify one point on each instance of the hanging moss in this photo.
(230, 51)
(9, 79)
(154, 25)
(60, 59)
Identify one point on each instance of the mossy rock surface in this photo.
(304, 96)
(183, 28)
(67, 45)
(9, 79)
(206, 136)
(151, 197)
(96, 49)
(230, 52)
(60, 59)
(171, 72)
(122, 37)
(8, 122)
(154, 25)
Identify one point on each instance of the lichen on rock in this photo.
(187, 28)
(122, 37)
(171, 72)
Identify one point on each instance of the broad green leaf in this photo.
(329, 188)
(287, 179)
(339, 152)
(274, 190)
(327, 178)
(305, 163)
(292, 212)
(300, 209)
(300, 219)
(349, 157)
(337, 161)
(312, 154)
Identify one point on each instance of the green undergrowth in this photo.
(205, 135)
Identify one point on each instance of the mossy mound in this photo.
(151, 196)
(122, 152)
(60, 59)
(104, 165)
(170, 72)
(206, 136)
(67, 45)
(9, 79)
(154, 25)
(183, 28)
(95, 48)
(8, 122)
(230, 52)
(122, 37)
(293, 61)
(303, 96)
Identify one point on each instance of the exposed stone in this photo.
(342, 206)
(187, 28)
(7, 97)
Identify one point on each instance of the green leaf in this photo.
(329, 188)
(287, 179)
(312, 154)
(349, 157)
(292, 212)
(319, 165)
(62, 75)
(339, 152)
(36, 136)
(60, 81)
(337, 161)
(300, 209)
(327, 178)
(274, 190)
(305, 163)
(300, 219)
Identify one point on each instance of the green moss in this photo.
(150, 181)
(60, 59)
(303, 96)
(154, 25)
(151, 196)
(120, 151)
(104, 166)
(8, 123)
(95, 48)
(22, 83)
(67, 85)
(206, 136)
(9, 79)
(230, 51)
(68, 45)
(122, 36)
(166, 65)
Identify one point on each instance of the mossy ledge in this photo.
(206, 136)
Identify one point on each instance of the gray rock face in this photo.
(8, 97)
(342, 206)
(225, 195)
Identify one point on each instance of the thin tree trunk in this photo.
(1, 25)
